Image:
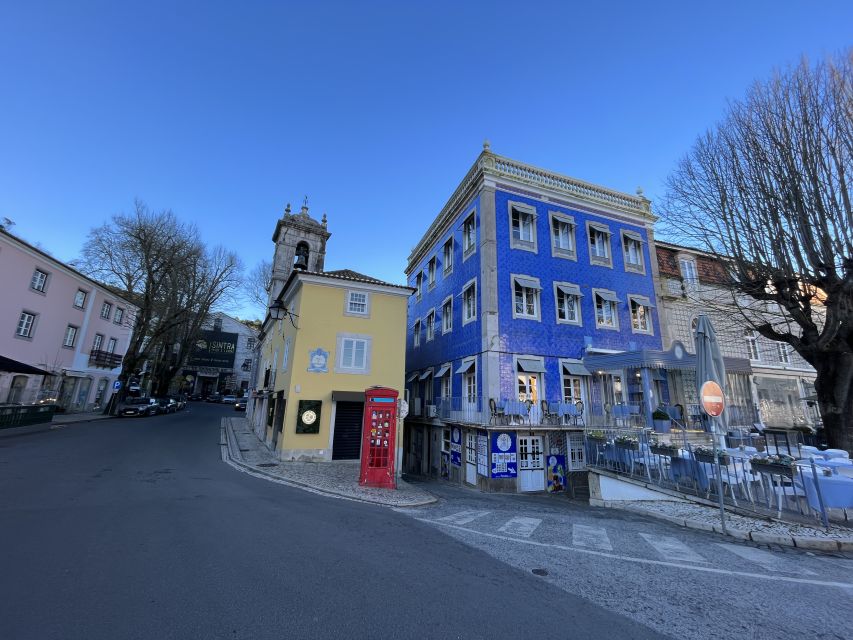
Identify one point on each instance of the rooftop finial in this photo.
(324, 219)
(304, 211)
(640, 191)
(287, 208)
(487, 146)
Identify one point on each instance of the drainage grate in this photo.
(268, 464)
(539, 572)
(243, 449)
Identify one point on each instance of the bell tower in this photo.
(300, 243)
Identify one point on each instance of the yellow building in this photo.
(340, 333)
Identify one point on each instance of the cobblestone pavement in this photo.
(681, 582)
(339, 478)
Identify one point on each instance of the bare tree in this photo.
(257, 286)
(767, 191)
(161, 265)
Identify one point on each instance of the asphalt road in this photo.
(135, 528)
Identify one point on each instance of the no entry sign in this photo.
(712, 399)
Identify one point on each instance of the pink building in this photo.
(72, 329)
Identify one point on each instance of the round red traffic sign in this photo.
(711, 396)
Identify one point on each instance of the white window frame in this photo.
(447, 315)
(432, 268)
(604, 230)
(525, 377)
(429, 322)
(340, 365)
(70, 337)
(572, 382)
(650, 329)
(419, 285)
(690, 279)
(26, 324)
(118, 316)
(348, 302)
(469, 383)
(783, 355)
(469, 248)
(82, 304)
(447, 256)
(537, 299)
(571, 253)
(635, 238)
(471, 447)
(446, 385)
(751, 338)
(38, 281)
(578, 322)
(521, 243)
(416, 334)
(285, 356)
(471, 284)
(596, 293)
(108, 307)
(98, 342)
(112, 343)
(445, 440)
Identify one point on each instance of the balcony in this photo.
(104, 359)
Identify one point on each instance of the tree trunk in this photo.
(833, 387)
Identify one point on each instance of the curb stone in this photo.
(301, 485)
(820, 544)
(771, 538)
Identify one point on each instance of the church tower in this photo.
(300, 243)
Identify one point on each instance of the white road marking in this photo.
(520, 526)
(463, 517)
(646, 561)
(672, 548)
(590, 537)
(764, 559)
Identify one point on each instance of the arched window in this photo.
(300, 260)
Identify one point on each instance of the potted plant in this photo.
(663, 448)
(706, 454)
(627, 442)
(773, 464)
(596, 436)
(661, 420)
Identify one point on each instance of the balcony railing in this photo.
(104, 359)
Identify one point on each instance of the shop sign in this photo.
(504, 463)
(456, 447)
(483, 454)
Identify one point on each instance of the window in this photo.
(354, 353)
(447, 254)
(752, 344)
(526, 297)
(522, 220)
(568, 301)
(217, 324)
(39, 281)
(285, 356)
(606, 316)
(470, 382)
(25, 325)
(446, 382)
(782, 353)
(632, 249)
(641, 314)
(80, 299)
(70, 336)
(571, 389)
(431, 272)
(599, 244)
(688, 271)
(357, 303)
(469, 302)
(471, 447)
(469, 236)
(528, 387)
(445, 441)
(111, 345)
(419, 284)
(447, 315)
(563, 236)
(96, 344)
(106, 310)
(430, 325)
(250, 343)
(119, 315)
(416, 336)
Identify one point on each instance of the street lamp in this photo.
(277, 310)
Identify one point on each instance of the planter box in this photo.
(774, 469)
(596, 440)
(758, 442)
(630, 446)
(664, 451)
(709, 458)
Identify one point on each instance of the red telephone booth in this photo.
(379, 433)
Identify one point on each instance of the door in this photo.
(471, 458)
(16, 391)
(346, 441)
(531, 463)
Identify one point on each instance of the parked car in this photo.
(214, 397)
(181, 401)
(139, 407)
(229, 399)
(195, 396)
(167, 405)
(240, 405)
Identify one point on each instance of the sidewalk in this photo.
(70, 418)
(339, 478)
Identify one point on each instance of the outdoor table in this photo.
(516, 409)
(565, 410)
(836, 491)
(833, 463)
(835, 453)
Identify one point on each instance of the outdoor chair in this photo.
(548, 417)
(496, 413)
(579, 416)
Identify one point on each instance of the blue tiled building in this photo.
(524, 278)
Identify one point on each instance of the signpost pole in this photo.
(719, 474)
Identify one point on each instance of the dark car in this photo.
(195, 396)
(228, 399)
(136, 407)
(214, 397)
(167, 405)
(180, 401)
(240, 405)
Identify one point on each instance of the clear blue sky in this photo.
(224, 112)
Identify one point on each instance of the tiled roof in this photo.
(354, 276)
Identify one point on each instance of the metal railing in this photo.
(766, 482)
(24, 415)
(104, 359)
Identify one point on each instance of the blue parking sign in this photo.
(116, 385)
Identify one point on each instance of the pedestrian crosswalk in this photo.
(653, 547)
